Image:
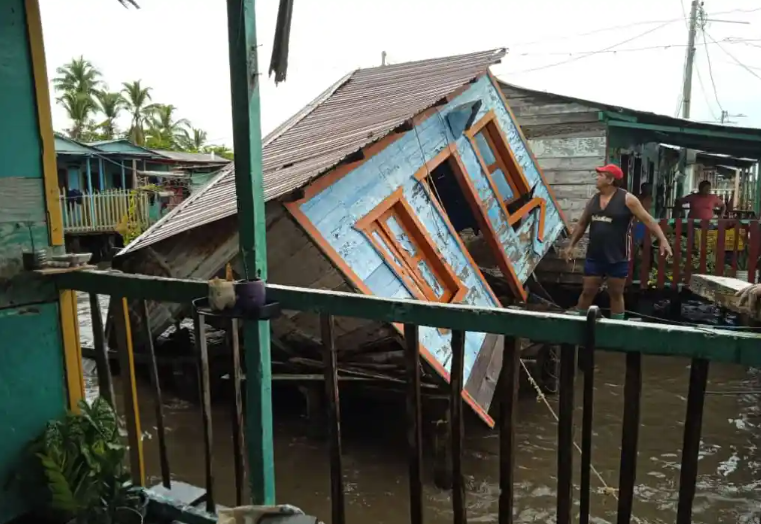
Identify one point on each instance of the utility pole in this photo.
(687, 87)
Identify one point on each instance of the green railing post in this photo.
(247, 143)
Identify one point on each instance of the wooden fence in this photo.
(724, 247)
(102, 212)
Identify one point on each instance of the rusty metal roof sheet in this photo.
(359, 109)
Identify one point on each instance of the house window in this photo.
(400, 238)
(504, 174)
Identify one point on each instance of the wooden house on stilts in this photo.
(368, 190)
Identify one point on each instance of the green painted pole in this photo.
(247, 143)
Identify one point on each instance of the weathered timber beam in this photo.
(612, 335)
(722, 291)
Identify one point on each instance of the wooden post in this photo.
(565, 434)
(129, 383)
(508, 385)
(330, 372)
(124, 177)
(101, 175)
(456, 427)
(414, 422)
(247, 143)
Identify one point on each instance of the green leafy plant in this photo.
(82, 458)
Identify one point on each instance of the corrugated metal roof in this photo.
(359, 109)
(185, 156)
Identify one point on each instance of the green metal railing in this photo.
(591, 334)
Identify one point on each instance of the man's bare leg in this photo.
(616, 294)
(591, 286)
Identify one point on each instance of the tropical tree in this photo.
(164, 130)
(80, 109)
(78, 76)
(78, 82)
(137, 101)
(196, 140)
(110, 104)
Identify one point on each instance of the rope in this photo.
(606, 490)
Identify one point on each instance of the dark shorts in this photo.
(594, 268)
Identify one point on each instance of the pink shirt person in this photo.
(703, 203)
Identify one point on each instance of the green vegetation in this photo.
(94, 110)
(83, 460)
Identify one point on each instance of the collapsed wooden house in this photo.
(368, 190)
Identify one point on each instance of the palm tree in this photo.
(110, 104)
(79, 108)
(78, 82)
(196, 140)
(136, 100)
(78, 76)
(164, 130)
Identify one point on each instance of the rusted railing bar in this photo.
(677, 255)
(736, 246)
(661, 273)
(565, 433)
(703, 245)
(645, 261)
(688, 253)
(338, 509)
(205, 393)
(587, 415)
(414, 422)
(507, 396)
(693, 423)
(630, 437)
(721, 240)
(157, 398)
(105, 378)
(754, 238)
(457, 430)
(239, 440)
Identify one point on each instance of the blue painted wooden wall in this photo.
(335, 210)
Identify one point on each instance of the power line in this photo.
(710, 72)
(730, 55)
(623, 26)
(595, 52)
(628, 49)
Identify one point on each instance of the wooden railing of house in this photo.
(102, 212)
(723, 247)
(573, 334)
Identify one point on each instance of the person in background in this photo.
(609, 215)
(703, 203)
(646, 195)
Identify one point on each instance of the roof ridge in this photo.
(185, 203)
(306, 110)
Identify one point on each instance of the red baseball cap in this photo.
(611, 169)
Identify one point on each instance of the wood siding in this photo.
(569, 142)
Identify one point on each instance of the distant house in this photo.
(368, 189)
(96, 181)
(571, 136)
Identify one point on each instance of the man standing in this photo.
(609, 216)
(703, 203)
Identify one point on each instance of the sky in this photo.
(604, 50)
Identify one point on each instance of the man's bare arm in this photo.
(635, 206)
(578, 232)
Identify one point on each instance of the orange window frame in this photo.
(403, 263)
(504, 158)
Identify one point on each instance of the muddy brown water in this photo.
(375, 469)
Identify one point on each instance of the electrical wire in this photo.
(730, 55)
(710, 72)
(623, 26)
(564, 62)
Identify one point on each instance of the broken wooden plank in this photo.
(721, 291)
